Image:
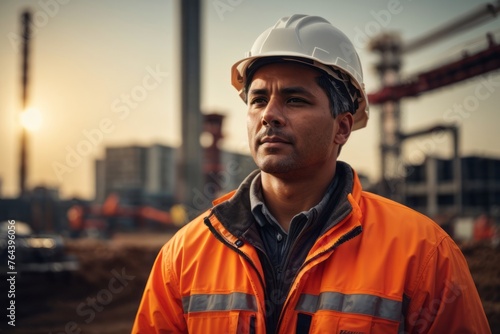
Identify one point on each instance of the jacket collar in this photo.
(234, 211)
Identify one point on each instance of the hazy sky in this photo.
(106, 72)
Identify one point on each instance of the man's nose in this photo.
(273, 114)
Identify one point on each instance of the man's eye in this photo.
(296, 100)
(257, 101)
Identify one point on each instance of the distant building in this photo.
(236, 166)
(431, 187)
(141, 174)
(125, 171)
(100, 180)
(136, 173)
(366, 183)
(161, 175)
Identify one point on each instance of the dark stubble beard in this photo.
(281, 166)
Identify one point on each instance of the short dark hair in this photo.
(340, 100)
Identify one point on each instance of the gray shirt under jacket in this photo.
(276, 240)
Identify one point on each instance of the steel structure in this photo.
(469, 66)
(391, 50)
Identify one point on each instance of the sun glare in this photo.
(31, 119)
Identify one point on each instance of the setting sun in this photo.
(31, 119)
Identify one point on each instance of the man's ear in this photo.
(344, 127)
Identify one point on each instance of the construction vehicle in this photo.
(101, 221)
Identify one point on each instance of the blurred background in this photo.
(118, 123)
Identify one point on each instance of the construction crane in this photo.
(469, 66)
(391, 49)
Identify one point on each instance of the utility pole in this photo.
(26, 36)
(190, 160)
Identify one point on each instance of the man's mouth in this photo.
(273, 139)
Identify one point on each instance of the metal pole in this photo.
(190, 166)
(26, 35)
(457, 170)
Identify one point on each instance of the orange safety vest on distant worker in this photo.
(484, 228)
(383, 269)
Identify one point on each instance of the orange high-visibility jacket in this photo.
(383, 269)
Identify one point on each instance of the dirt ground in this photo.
(102, 297)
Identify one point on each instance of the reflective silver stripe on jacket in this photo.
(219, 302)
(351, 303)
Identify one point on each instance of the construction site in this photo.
(82, 264)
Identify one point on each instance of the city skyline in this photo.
(107, 73)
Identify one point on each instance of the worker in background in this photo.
(484, 228)
(299, 247)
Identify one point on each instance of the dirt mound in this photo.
(101, 297)
(484, 264)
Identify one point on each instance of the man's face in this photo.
(291, 130)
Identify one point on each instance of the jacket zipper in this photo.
(346, 237)
(219, 237)
(251, 330)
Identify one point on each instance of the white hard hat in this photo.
(314, 40)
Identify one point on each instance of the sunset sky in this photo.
(106, 72)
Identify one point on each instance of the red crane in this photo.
(467, 67)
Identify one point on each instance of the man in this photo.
(299, 247)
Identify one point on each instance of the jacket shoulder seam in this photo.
(422, 270)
